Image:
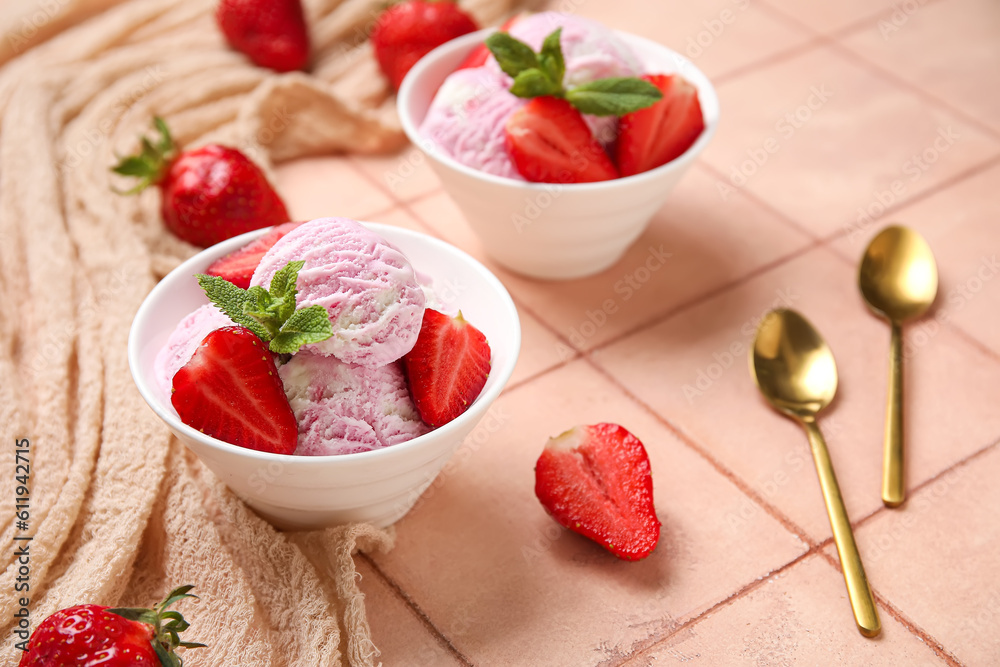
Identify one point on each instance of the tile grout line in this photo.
(868, 20)
(415, 609)
(721, 604)
(882, 601)
(689, 441)
(937, 646)
(810, 43)
(697, 300)
(924, 484)
(834, 42)
(761, 203)
(955, 180)
(397, 201)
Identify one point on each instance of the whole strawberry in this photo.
(209, 194)
(409, 30)
(89, 634)
(272, 33)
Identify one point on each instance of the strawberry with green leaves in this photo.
(596, 481)
(409, 30)
(90, 634)
(548, 139)
(230, 388)
(208, 194)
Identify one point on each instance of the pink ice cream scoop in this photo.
(367, 286)
(184, 340)
(466, 120)
(343, 409)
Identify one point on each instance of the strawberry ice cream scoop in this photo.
(467, 116)
(344, 409)
(184, 340)
(367, 287)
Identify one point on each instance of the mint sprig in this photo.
(541, 74)
(271, 314)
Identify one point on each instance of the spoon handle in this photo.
(858, 590)
(893, 492)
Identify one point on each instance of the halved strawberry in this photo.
(479, 55)
(230, 390)
(549, 142)
(447, 367)
(596, 481)
(237, 267)
(660, 133)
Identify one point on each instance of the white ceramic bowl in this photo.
(379, 486)
(550, 230)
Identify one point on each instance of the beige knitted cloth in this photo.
(120, 512)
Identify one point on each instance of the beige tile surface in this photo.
(718, 36)
(324, 186)
(798, 617)
(831, 144)
(941, 47)
(827, 17)
(404, 176)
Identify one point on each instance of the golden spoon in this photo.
(898, 279)
(795, 371)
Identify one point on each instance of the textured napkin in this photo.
(118, 511)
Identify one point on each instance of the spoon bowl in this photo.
(792, 364)
(795, 371)
(898, 279)
(898, 276)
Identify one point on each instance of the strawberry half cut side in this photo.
(230, 390)
(238, 267)
(447, 367)
(662, 132)
(550, 142)
(596, 481)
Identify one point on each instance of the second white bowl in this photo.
(549, 230)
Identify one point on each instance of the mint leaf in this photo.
(283, 289)
(270, 315)
(534, 83)
(284, 280)
(513, 56)
(233, 301)
(305, 326)
(614, 96)
(551, 57)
